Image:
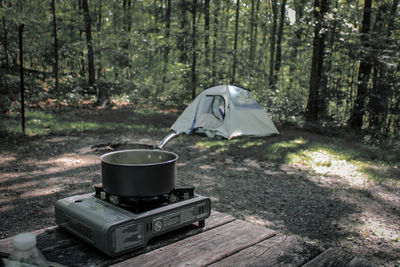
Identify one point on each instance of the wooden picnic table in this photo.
(224, 241)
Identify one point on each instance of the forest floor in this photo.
(299, 183)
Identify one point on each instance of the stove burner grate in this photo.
(142, 204)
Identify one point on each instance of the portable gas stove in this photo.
(117, 225)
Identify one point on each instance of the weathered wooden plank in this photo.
(280, 250)
(62, 247)
(336, 257)
(205, 248)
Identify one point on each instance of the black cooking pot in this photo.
(139, 172)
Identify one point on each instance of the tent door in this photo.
(215, 105)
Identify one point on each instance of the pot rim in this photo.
(103, 160)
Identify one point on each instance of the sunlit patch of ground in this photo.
(71, 160)
(7, 158)
(328, 163)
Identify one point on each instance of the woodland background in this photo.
(330, 63)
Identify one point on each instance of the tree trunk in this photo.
(314, 108)
(22, 87)
(56, 72)
(215, 43)
(364, 71)
(166, 47)
(255, 35)
(194, 77)
(182, 46)
(88, 25)
(207, 32)
(296, 42)
(251, 31)
(324, 95)
(5, 41)
(278, 59)
(126, 5)
(272, 44)
(100, 68)
(235, 42)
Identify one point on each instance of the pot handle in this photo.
(166, 139)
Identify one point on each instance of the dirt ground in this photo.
(323, 210)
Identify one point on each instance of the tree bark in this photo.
(314, 108)
(166, 46)
(364, 71)
(5, 41)
(278, 58)
(194, 77)
(207, 32)
(22, 87)
(272, 44)
(255, 35)
(215, 43)
(100, 68)
(88, 25)
(324, 96)
(251, 31)
(235, 42)
(182, 37)
(56, 71)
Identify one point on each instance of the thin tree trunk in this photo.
(100, 68)
(166, 47)
(182, 46)
(194, 78)
(278, 59)
(22, 87)
(296, 42)
(56, 72)
(364, 71)
(323, 96)
(207, 32)
(126, 5)
(251, 31)
(272, 43)
(314, 108)
(215, 43)
(235, 42)
(88, 25)
(5, 41)
(255, 36)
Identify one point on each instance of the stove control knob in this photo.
(173, 198)
(114, 199)
(157, 226)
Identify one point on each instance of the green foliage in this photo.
(137, 56)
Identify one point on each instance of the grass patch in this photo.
(43, 123)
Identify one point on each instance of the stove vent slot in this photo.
(79, 229)
(200, 210)
(149, 227)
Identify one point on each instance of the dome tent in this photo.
(225, 110)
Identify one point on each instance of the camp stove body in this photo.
(117, 229)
